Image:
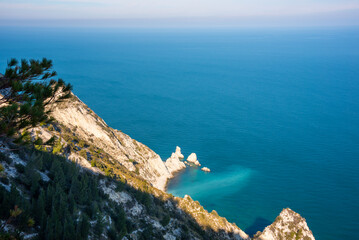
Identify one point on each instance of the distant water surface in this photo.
(273, 113)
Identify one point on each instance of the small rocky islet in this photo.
(175, 163)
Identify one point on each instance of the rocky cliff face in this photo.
(174, 164)
(211, 220)
(135, 156)
(137, 163)
(288, 225)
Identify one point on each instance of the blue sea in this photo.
(274, 113)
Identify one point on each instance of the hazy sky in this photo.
(327, 11)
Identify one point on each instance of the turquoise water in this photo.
(273, 113)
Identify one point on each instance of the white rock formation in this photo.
(123, 198)
(288, 225)
(206, 169)
(178, 153)
(174, 164)
(192, 158)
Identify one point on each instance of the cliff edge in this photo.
(83, 137)
(288, 225)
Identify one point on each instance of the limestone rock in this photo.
(86, 125)
(174, 164)
(192, 158)
(211, 220)
(178, 153)
(288, 225)
(120, 148)
(206, 169)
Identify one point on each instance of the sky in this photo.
(235, 12)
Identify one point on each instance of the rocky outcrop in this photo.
(205, 169)
(288, 225)
(178, 153)
(148, 171)
(135, 156)
(174, 164)
(221, 227)
(192, 158)
(141, 160)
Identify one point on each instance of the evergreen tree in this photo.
(99, 226)
(83, 227)
(39, 210)
(69, 229)
(25, 90)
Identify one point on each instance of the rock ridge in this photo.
(288, 225)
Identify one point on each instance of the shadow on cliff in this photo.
(125, 220)
(258, 225)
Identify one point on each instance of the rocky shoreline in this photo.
(140, 163)
(175, 163)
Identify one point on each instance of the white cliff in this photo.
(85, 124)
(137, 157)
(174, 164)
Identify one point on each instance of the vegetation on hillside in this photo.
(60, 205)
(26, 89)
(44, 193)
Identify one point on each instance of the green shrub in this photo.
(81, 143)
(299, 234)
(50, 127)
(93, 163)
(20, 168)
(5, 181)
(57, 147)
(119, 186)
(83, 153)
(165, 220)
(107, 172)
(5, 158)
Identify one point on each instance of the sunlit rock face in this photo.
(83, 122)
(174, 164)
(211, 220)
(192, 158)
(147, 165)
(178, 153)
(288, 225)
(205, 169)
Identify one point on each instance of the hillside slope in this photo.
(288, 225)
(87, 126)
(128, 174)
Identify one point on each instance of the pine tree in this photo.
(26, 89)
(83, 227)
(99, 226)
(39, 210)
(69, 229)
